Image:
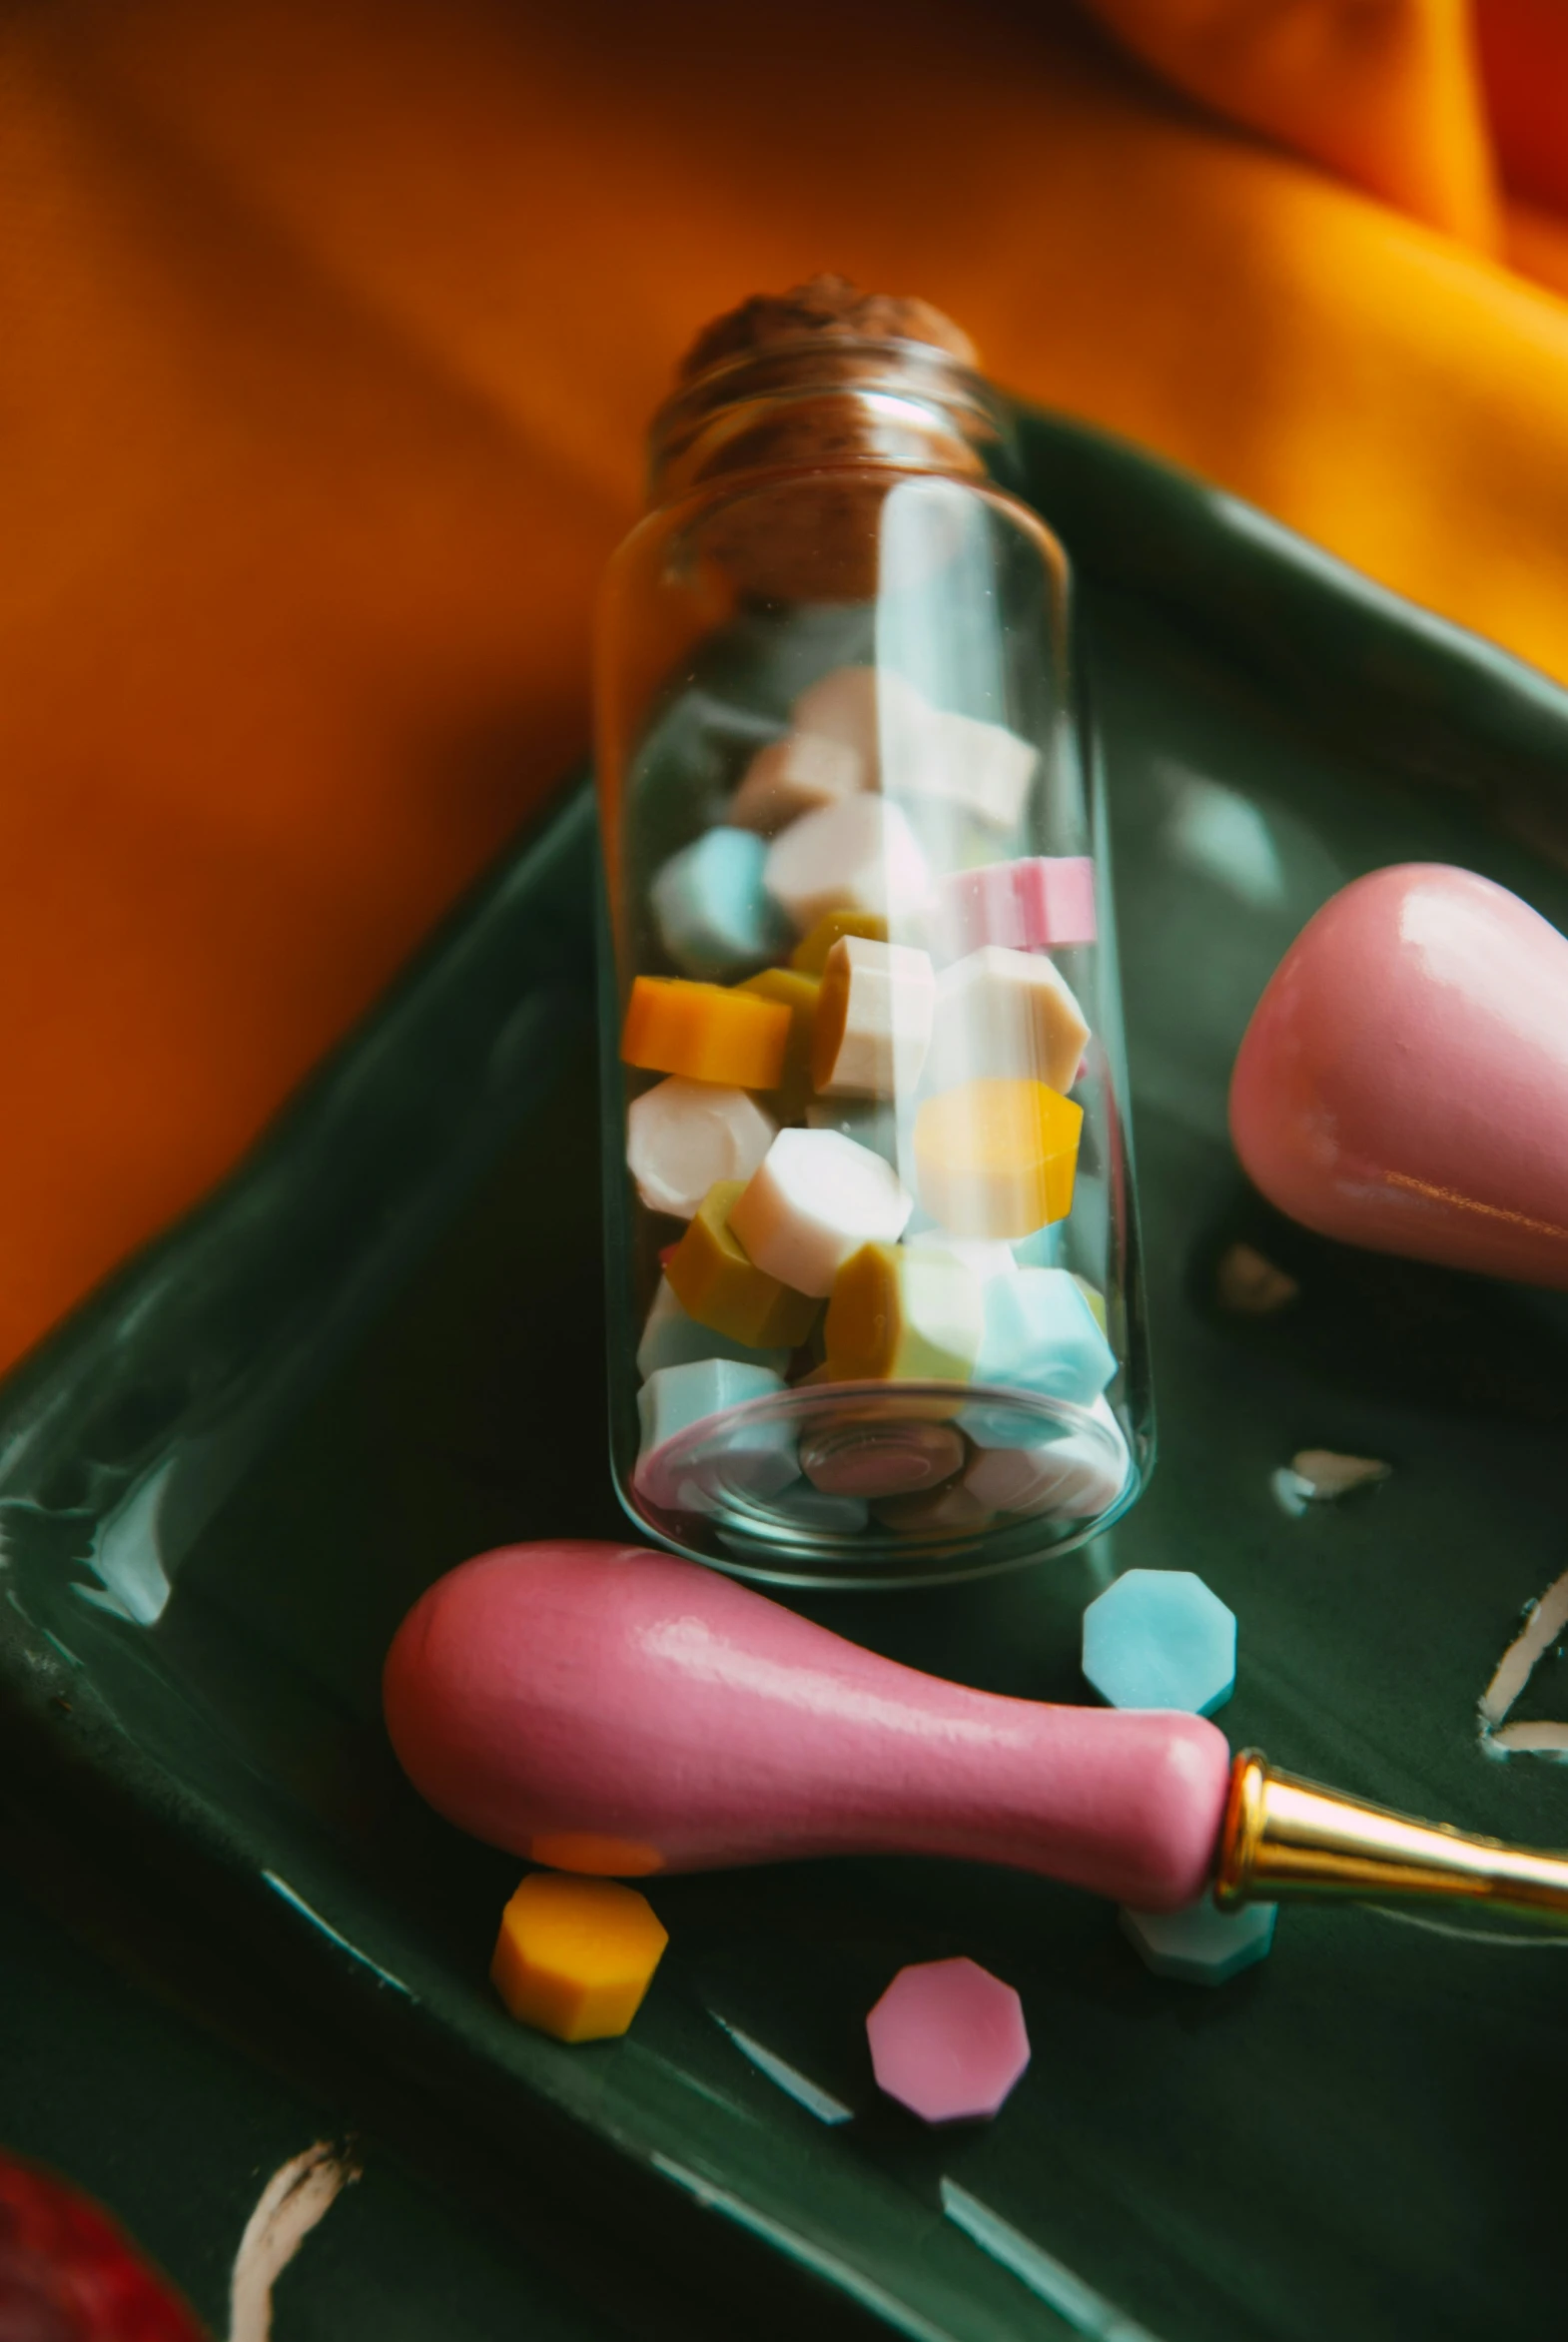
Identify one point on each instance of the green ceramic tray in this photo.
(377, 1350)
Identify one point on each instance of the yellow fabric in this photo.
(332, 328)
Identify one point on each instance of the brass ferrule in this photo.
(1286, 1838)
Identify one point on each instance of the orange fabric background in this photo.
(332, 329)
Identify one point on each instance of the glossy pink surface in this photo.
(948, 2040)
(1403, 1083)
(602, 1692)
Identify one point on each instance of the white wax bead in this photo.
(859, 855)
(796, 775)
(1007, 1014)
(683, 1136)
(815, 1200)
(875, 711)
(873, 1020)
(964, 761)
(983, 1259)
(671, 1339)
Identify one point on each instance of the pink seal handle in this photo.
(606, 1708)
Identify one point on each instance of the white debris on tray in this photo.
(1317, 1475)
(1248, 1286)
(1544, 1623)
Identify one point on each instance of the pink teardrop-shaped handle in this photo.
(602, 1706)
(1403, 1083)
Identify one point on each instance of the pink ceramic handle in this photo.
(602, 1706)
(1403, 1083)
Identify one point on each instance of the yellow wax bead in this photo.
(799, 993)
(810, 954)
(706, 1032)
(716, 1281)
(897, 1316)
(997, 1158)
(574, 1956)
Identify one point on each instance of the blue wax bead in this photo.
(713, 915)
(1202, 1944)
(1042, 1250)
(738, 1458)
(1041, 1334)
(671, 1339)
(1159, 1638)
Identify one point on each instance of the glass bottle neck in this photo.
(822, 403)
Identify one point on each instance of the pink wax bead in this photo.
(1403, 1083)
(1042, 903)
(948, 2040)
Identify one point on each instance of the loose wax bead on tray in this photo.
(859, 855)
(1042, 903)
(815, 1200)
(796, 775)
(576, 1957)
(1202, 1944)
(682, 1135)
(1007, 1013)
(996, 1157)
(948, 2040)
(719, 1280)
(904, 1315)
(707, 1033)
(1160, 1638)
(873, 1023)
(713, 913)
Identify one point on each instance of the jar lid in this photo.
(828, 307)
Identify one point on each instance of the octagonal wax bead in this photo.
(1042, 901)
(737, 1455)
(816, 1198)
(1007, 1013)
(981, 767)
(1160, 1638)
(1041, 1334)
(1202, 1944)
(859, 855)
(874, 1017)
(713, 913)
(717, 1280)
(792, 989)
(902, 1315)
(868, 1456)
(983, 1260)
(948, 2040)
(576, 1957)
(953, 1511)
(705, 1033)
(810, 954)
(1073, 1476)
(672, 1339)
(875, 711)
(682, 1135)
(798, 774)
(997, 1158)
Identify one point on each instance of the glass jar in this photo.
(871, 1234)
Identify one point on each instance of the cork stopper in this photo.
(828, 307)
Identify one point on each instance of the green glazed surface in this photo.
(379, 1350)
